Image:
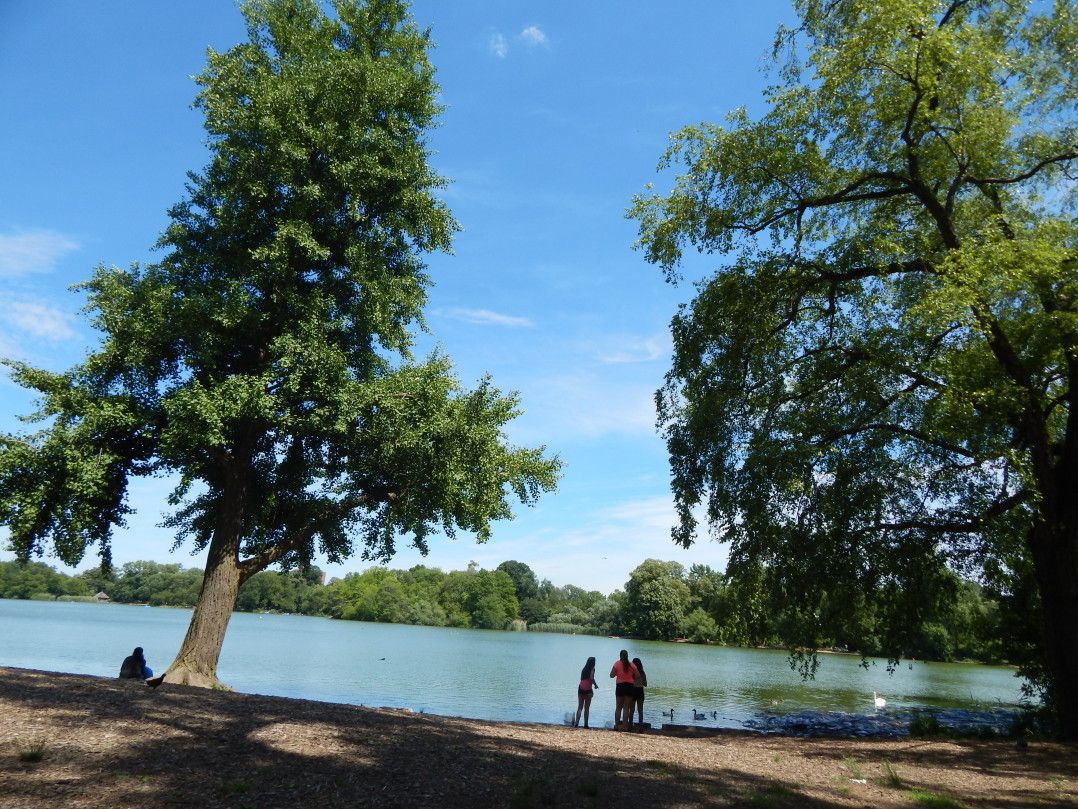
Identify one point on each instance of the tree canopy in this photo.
(878, 382)
(266, 359)
(656, 599)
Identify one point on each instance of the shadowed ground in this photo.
(112, 743)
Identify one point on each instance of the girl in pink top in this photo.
(585, 691)
(625, 672)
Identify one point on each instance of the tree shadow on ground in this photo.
(1039, 763)
(115, 743)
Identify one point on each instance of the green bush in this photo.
(699, 627)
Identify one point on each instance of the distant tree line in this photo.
(661, 601)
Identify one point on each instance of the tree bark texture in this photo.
(196, 662)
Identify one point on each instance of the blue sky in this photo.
(556, 114)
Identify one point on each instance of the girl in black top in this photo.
(640, 681)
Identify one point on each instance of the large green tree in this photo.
(657, 600)
(879, 380)
(266, 359)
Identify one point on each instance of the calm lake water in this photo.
(521, 676)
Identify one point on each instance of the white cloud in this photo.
(32, 251)
(38, 320)
(498, 45)
(584, 405)
(620, 350)
(534, 35)
(485, 317)
(650, 512)
(612, 541)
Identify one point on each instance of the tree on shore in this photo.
(266, 358)
(879, 384)
(657, 600)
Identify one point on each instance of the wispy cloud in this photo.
(648, 512)
(585, 405)
(498, 45)
(38, 320)
(534, 35)
(616, 350)
(32, 251)
(485, 317)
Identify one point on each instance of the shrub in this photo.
(31, 750)
(925, 726)
(890, 775)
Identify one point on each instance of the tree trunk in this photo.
(1055, 556)
(196, 662)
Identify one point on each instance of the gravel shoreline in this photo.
(112, 743)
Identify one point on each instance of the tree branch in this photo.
(974, 522)
(841, 196)
(898, 430)
(302, 534)
(1025, 175)
(951, 10)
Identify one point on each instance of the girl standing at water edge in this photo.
(625, 673)
(640, 682)
(585, 691)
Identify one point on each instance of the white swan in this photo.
(879, 701)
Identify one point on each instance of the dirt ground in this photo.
(112, 743)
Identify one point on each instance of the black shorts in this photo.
(638, 694)
(584, 693)
(624, 690)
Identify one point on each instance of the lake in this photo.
(514, 676)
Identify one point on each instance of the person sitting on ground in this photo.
(134, 666)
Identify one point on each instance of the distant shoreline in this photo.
(765, 648)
